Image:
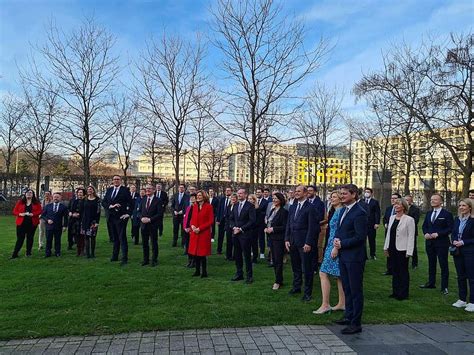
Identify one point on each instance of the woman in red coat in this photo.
(202, 218)
(27, 212)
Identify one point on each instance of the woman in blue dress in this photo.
(330, 264)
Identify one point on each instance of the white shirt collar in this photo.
(350, 206)
(437, 209)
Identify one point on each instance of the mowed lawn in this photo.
(70, 295)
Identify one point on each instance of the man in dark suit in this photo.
(118, 201)
(261, 225)
(372, 207)
(437, 227)
(221, 218)
(163, 197)
(151, 210)
(349, 244)
(55, 216)
(389, 211)
(414, 212)
(70, 233)
(300, 241)
(135, 200)
(316, 202)
(179, 202)
(214, 201)
(244, 220)
(471, 194)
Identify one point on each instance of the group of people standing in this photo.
(268, 226)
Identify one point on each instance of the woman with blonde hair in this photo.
(399, 246)
(462, 250)
(330, 264)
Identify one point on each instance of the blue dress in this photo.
(330, 266)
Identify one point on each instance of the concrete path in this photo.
(432, 338)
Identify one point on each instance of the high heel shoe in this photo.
(324, 311)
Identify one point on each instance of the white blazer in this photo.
(405, 238)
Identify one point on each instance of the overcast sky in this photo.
(360, 29)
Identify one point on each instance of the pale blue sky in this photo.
(361, 29)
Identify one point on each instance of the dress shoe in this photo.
(386, 273)
(237, 278)
(306, 298)
(145, 263)
(294, 291)
(427, 285)
(58, 255)
(113, 259)
(204, 274)
(249, 280)
(373, 257)
(352, 329)
(444, 291)
(154, 263)
(343, 321)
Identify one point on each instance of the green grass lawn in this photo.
(69, 295)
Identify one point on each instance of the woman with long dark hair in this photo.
(75, 217)
(27, 211)
(90, 220)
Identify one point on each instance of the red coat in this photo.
(200, 244)
(20, 208)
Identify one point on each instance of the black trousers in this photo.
(150, 234)
(302, 264)
(277, 248)
(439, 253)
(414, 258)
(255, 245)
(70, 236)
(243, 246)
(229, 247)
(56, 235)
(119, 234)
(90, 246)
(24, 231)
(261, 238)
(109, 230)
(401, 275)
(464, 263)
(136, 233)
(177, 227)
(352, 277)
(220, 236)
(185, 238)
(371, 234)
(160, 226)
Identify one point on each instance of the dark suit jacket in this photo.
(261, 212)
(229, 217)
(154, 212)
(164, 199)
(246, 220)
(443, 225)
(373, 211)
(304, 229)
(387, 215)
(319, 206)
(222, 209)
(123, 197)
(215, 206)
(60, 218)
(279, 224)
(467, 234)
(353, 234)
(179, 207)
(414, 212)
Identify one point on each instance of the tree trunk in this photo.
(176, 167)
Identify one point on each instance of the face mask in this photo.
(366, 195)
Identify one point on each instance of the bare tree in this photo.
(40, 126)
(215, 159)
(265, 61)
(84, 68)
(10, 117)
(151, 141)
(170, 79)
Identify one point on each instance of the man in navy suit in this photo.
(244, 218)
(350, 245)
(118, 202)
(151, 210)
(301, 229)
(55, 216)
(221, 219)
(316, 202)
(414, 212)
(389, 211)
(372, 208)
(163, 197)
(135, 203)
(179, 202)
(261, 225)
(214, 201)
(437, 227)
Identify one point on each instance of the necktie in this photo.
(226, 202)
(148, 202)
(297, 209)
(367, 201)
(433, 216)
(55, 208)
(179, 198)
(393, 211)
(344, 214)
(159, 192)
(114, 193)
(241, 204)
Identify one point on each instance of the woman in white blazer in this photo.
(399, 245)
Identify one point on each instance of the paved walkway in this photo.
(432, 338)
